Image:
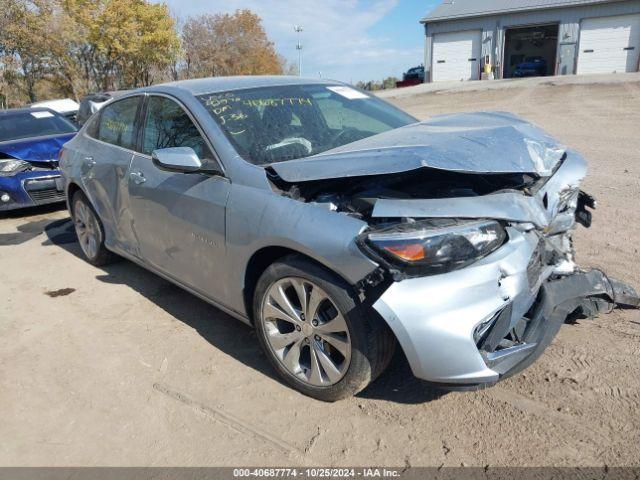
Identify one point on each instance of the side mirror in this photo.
(177, 159)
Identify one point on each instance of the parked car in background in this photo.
(91, 103)
(338, 225)
(413, 76)
(30, 141)
(64, 106)
(531, 67)
(415, 73)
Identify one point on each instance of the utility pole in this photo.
(298, 30)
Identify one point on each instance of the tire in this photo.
(311, 354)
(90, 231)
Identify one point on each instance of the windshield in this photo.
(38, 123)
(275, 124)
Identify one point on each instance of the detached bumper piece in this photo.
(509, 350)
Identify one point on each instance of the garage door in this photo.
(609, 44)
(456, 56)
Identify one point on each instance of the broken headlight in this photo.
(426, 247)
(10, 167)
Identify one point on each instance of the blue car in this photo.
(30, 141)
(531, 67)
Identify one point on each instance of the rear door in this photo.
(456, 56)
(609, 44)
(104, 157)
(178, 218)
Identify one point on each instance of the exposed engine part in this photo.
(358, 195)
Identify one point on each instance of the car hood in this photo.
(41, 149)
(484, 142)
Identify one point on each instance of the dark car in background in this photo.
(413, 76)
(531, 67)
(30, 141)
(415, 73)
(91, 103)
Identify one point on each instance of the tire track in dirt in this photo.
(539, 409)
(238, 425)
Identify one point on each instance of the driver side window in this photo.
(168, 125)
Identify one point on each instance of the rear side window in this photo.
(168, 125)
(117, 123)
(92, 126)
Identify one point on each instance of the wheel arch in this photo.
(261, 260)
(72, 189)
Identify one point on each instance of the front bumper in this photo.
(31, 188)
(474, 326)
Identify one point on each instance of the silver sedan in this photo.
(340, 226)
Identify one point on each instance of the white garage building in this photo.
(518, 38)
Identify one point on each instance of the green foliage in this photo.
(387, 83)
(59, 48)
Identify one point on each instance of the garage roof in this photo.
(454, 9)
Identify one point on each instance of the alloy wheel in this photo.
(87, 229)
(306, 331)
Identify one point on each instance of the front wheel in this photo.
(315, 332)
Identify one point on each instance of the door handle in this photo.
(137, 177)
(87, 166)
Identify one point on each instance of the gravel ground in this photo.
(115, 366)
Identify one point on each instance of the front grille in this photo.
(47, 195)
(43, 190)
(44, 165)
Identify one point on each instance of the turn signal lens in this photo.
(410, 253)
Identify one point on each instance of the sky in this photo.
(347, 40)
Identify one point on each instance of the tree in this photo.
(76, 46)
(389, 82)
(223, 44)
(132, 39)
(53, 48)
(22, 40)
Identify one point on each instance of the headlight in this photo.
(428, 247)
(11, 167)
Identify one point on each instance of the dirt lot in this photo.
(122, 368)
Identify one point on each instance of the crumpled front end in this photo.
(29, 174)
(470, 220)
(31, 188)
(476, 325)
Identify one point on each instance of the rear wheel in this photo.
(316, 333)
(89, 231)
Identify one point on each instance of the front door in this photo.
(179, 218)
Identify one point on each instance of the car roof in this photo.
(221, 84)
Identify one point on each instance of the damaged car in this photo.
(341, 227)
(30, 142)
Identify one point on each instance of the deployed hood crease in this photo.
(484, 142)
